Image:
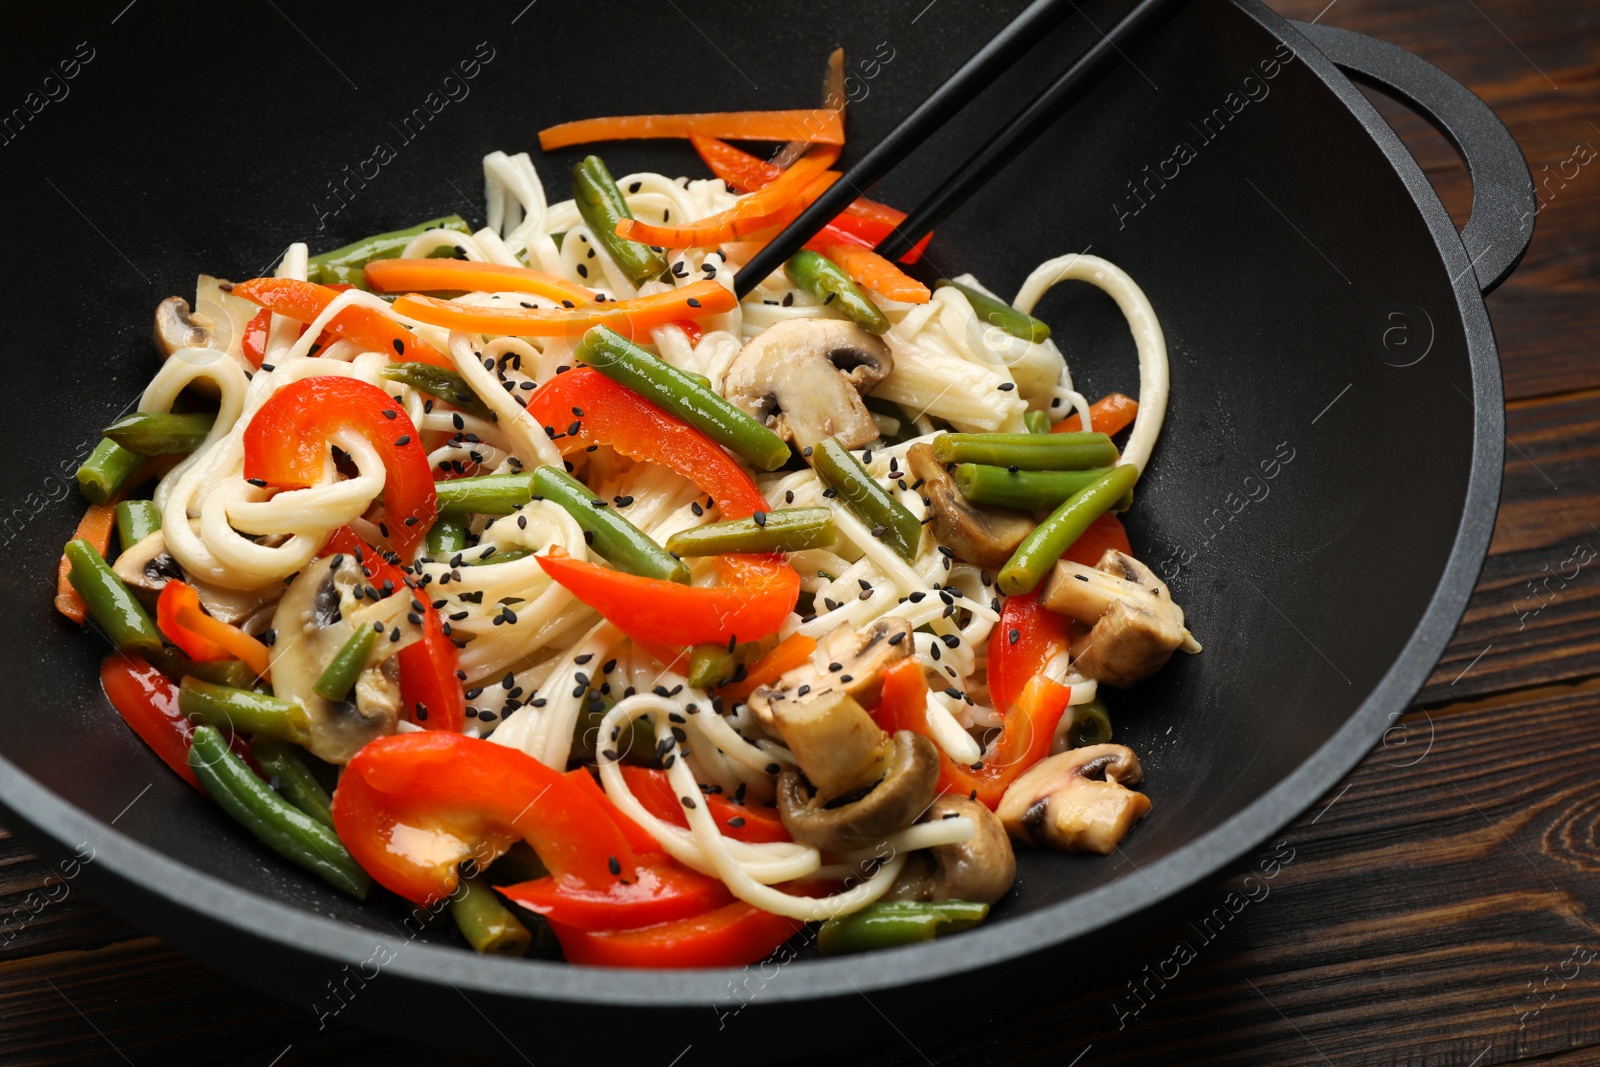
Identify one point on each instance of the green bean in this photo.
(136, 520)
(1091, 724)
(866, 496)
(888, 924)
(711, 664)
(243, 710)
(498, 557)
(784, 530)
(339, 676)
(1027, 451)
(620, 542)
(108, 468)
(487, 494)
(447, 385)
(1035, 421)
(233, 673)
(290, 833)
(346, 266)
(295, 782)
(602, 206)
(150, 433)
(1041, 548)
(823, 279)
(995, 313)
(487, 924)
(1022, 490)
(112, 604)
(446, 537)
(692, 401)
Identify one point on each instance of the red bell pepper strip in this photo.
(730, 936)
(637, 835)
(606, 413)
(254, 342)
(755, 597)
(287, 439)
(148, 702)
(742, 822)
(1103, 533)
(367, 327)
(411, 806)
(430, 689)
(1024, 740)
(1027, 637)
(202, 638)
(95, 527)
(690, 328)
(774, 204)
(865, 221)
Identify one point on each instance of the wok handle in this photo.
(1503, 202)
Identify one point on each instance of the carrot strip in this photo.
(816, 125)
(95, 528)
(630, 318)
(761, 210)
(867, 221)
(1110, 414)
(436, 275)
(788, 654)
(304, 301)
(867, 268)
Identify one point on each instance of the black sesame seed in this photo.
(399, 347)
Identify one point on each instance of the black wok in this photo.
(1321, 500)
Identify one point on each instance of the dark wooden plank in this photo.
(1535, 615)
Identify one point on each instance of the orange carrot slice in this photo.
(304, 301)
(630, 318)
(867, 268)
(773, 205)
(788, 654)
(95, 528)
(816, 125)
(1110, 414)
(436, 275)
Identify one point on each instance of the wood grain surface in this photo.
(1437, 907)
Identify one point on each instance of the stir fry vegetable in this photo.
(884, 515)
(136, 520)
(107, 471)
(1039, 552)
(603, 206)
(94, 529)
(823, 279)
(345, 266)
(243, 710)
(114, 609)
(623, 544)
(797, 125)
(1027, 451)
(785, 530)
(151, 434)
(889, 924)
(1017, 323)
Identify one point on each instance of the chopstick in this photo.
(1020, 34)
(1025, 127)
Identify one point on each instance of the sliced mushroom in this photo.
(981, 535)
(319, 612)
(980, 868)
(846, 660)
(1134, 625)
(147, 567)
(893, 804)
(1078, 801)
(217, 320)
(806, 377)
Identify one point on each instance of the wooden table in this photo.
(1435, 908)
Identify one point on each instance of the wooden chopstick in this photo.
(1026, 126)
(1020, 34)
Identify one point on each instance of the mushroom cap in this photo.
(835, 742)
(982, 535)
(146, 568)
(1135, 626)
(805, 379)
(981, 868)
(893, 804)
(177, 327)
(316, 616)
(1077, 801)
(863, 655)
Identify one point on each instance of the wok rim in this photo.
(189, 895)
